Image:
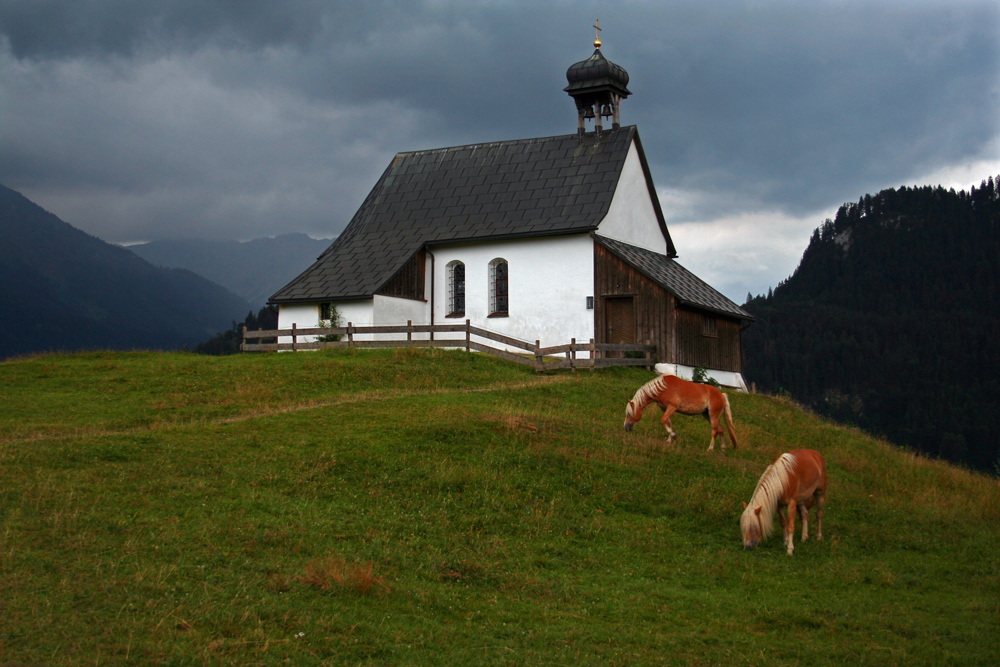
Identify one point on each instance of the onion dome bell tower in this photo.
(598, 86)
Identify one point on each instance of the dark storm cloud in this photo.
(247, 118)
(801, 106)
(100, 28)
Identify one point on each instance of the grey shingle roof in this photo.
(507, 189)
(689, 289)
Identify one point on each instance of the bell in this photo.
(588, 112)
(606, 111)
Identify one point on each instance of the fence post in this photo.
(350, 334)
(409, 332)
(294, 338)
(593, 355)
(538, 356)
(572, 354)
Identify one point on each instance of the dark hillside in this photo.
(67, 290)
(891, 321)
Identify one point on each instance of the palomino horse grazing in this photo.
(688, 398)
(796, 480)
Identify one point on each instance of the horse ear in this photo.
(757, 511)
(744, 504)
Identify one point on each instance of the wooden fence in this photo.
(572, 355)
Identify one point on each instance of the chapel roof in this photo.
(689, 289)
(491, 191)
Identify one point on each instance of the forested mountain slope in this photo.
(891, 321)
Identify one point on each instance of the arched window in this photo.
(456, 289)
(498, 288)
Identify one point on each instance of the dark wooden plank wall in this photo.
(408, 283)
(654, 306)
(675, 330)
(721, 351)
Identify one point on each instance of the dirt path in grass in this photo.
(285, 408)
(300, 406)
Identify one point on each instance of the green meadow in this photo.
(415, 507)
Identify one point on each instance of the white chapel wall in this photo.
(631, 217)
(306, 316)
(360, 313)
(549, 282)
(302, 315)
(395, 311)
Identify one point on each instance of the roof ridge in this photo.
(430, 151)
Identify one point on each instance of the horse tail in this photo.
(729, 421)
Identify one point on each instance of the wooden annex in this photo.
(634, 307)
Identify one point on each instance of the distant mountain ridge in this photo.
(66, 290)
(891, 319)
(253, 269)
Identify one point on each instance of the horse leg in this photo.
(804, 516)
(790, 528)
(665, 420)
(713, 418)
(819, 515)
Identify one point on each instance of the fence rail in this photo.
(571, 355)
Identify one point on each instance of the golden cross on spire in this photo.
(597, 38)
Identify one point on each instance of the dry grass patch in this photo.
(334, 574)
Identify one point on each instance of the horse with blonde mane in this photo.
(792, 484)
(673, 394)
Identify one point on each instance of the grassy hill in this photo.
(439, 508)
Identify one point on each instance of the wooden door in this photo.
(619, 315)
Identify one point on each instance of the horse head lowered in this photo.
(792, 485)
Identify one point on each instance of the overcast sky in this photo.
(237, 119)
